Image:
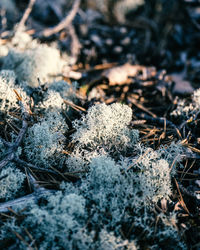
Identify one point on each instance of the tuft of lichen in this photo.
(90, 216)
(11, 180)
(187, 110)
(45, 140)
(106, 126)
(123, 181)
(41, 63)
(8, 98)
(103, 130)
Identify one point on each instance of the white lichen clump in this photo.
(187, 110)
(106, 126)
(45, 140)
(108, 241)
(52, 101)
(155, 180)
(11, 182)
(102, 131)
(41, 63)
(8, 98)
(122, 180)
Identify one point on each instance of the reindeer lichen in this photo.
(45, 139)
(8, 98)
(11, 180)
(40, 63)
(187, 110)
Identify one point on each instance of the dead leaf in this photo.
(120, 75)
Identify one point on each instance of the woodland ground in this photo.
(146, 56)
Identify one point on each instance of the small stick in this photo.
(74, 106)
(160, 120)
(4, 207)
(31, 166)
(75, 44)
(64, 23)
(140, 106)
(26, 15)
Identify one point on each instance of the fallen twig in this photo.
(64, 23)
(4, 207)
(140, 106)
(75, 44)
(159, 120)
(26, 15)
(74, 106)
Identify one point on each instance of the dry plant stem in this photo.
(75, 44)
(160, 120)
(64, 23)
(26, 15)
(140, 106)
(31, 166)
(74, 106)
(4, 207)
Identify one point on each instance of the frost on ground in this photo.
(122, 178)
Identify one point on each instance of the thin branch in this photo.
(31, 166)
(74, 106)
(160, 120)
(4, 207)
(75, 44)
(64, 23)
(26, 15)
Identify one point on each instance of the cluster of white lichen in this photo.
(123, 179)
(32, 62)
(102, 131)
(188, 110)
(115, 189)
(11, 180)
(20, 42)
(8, 98)
(107, 197)
(106, 126)
(34, 65)
(44, 142)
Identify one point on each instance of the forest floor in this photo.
(147, 57)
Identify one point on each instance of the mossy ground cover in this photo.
(99, 129)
